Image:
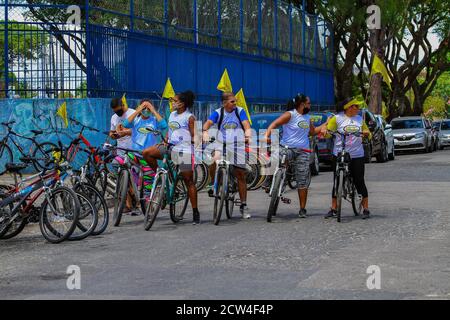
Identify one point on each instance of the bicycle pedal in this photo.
(286, 200)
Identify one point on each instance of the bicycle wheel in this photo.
(9, 230)
(120, 198)
(179, 201)
(231, 196)
(6, 156)
(339, 194)
(200, 176)
(99, 202)
(43, 153)
(155, 201)
(59, 214)
(275, 196)
(356, 201)
(221, 194)
(253, 177)
(87, 219)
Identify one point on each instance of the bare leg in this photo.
(303, 196)
(151, 155)
(242, 184)
(188, 177)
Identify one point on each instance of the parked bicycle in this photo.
(38, 155)
(57, 215)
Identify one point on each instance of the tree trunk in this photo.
(376, 45)
(344, 76)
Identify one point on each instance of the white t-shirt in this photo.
(124, 142)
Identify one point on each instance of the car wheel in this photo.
(381, 155)
(368, 154)
(391, 155)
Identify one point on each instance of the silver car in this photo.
(412, 133)
(444, 134)
(389, 134)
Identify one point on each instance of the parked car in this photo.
(412, 133)
(389, 136)
(377, 146)
(324, 145)
(262, 121)
(444, 134)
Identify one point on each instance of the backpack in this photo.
(222, 114)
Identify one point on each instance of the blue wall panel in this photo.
(148, 61)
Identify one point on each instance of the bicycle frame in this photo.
(167, 169)
(41, 184)
(282, 166)
(9, 136)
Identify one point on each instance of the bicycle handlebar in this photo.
(87, 127)
(346, 134)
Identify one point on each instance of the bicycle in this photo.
(224, 189)
(134, 179)
(344, 186)
(283, 176)
(57, 215)
(75, 145)
(38, 154)
(168, 189)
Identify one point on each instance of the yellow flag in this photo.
(124, 101)
(379, 67)
(169, 92)
(240, 102)
(62, 112)
(225, 83)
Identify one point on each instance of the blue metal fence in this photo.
(271, 48)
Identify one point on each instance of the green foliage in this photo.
(24, 42)
(442, 88)
(438, 106)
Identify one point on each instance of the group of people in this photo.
(131, 130)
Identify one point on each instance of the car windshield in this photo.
(407, 124)
(445, 125)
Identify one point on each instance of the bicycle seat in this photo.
(37, 132)
(15, 167)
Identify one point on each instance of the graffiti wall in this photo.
(40, 114)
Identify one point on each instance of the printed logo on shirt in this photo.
(230, 125)
(303, 125)
(144, 130)
(351, 129)
(174, 125)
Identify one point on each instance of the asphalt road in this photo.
(408, 238)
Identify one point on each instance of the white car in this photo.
(444, 134)
(389, 134)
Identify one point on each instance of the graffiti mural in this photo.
(40, 114)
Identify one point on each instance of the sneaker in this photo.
(331, 214)
(366, 214)
(302, 213)
(196, 219)
(136, 213)
(244, 212)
